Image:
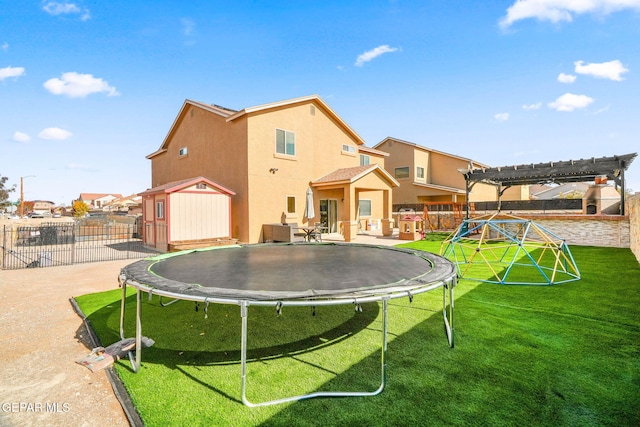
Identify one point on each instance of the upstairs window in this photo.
(364, 160)
(420, 172)
(183, 152)
(285, 142)
(348, 148)
(402, 172)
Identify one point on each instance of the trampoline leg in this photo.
(243, 361)
(122, 309)
(134, 360)
(448, 320)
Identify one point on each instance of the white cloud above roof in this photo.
(5, 46)
(57, 134)
(58, 8)
(7, 72)
(75, 85)
(611, 70)
(563, 10)
(535, 106)
(373, 53)
(501, 117)
(570, 102)
(566, 78)
(21, 137)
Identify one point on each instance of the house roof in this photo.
(231, 115)
(94, 196)
(440, 187)
(368, 150)
(350, 175)
(423, 148)
(304, 99)
(172, 187)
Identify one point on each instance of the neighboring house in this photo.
(43, 206)
(190, 210)
(127, 204)
(271, 155)
(428, 175)
(568, 190)
(98, 200)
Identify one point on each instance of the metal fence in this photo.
(53, 244)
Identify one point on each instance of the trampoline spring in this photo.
(279, 308)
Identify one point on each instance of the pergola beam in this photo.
(554, 172)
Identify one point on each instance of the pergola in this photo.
(581, 170)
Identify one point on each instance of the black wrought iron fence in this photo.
(52, 244)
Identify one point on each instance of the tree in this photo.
(4, 191)
(80, 208)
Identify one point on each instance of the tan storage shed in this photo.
(184, 214)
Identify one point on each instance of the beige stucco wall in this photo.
(633, 210)
(318, 151)
(214, 152)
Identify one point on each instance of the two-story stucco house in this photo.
(270, 156)
(428, 175)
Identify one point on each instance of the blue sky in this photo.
(89, 88)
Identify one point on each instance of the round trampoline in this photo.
(291, 274)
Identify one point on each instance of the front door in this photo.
(329, 214)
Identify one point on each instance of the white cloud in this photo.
(532, 106)
(566, 78)
(501, 117)
(187, 26)
(374, 53)
(562, 10)
(55, 133)
(605, 70)
(7, 72)
(5, 46)
(21, 137)
(56, 8)
(75, 85)
(570, 102)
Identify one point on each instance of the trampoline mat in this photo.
(275, 271)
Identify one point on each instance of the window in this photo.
(348, 148)
(183, 152)
(365, 207)
(159, 210)
(285, 142)
(419, 172)
(364, 160)
(291, 204)
(402, 172)
(201, 186)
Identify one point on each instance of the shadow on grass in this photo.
(182, 334)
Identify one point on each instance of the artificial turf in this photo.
(565, 354)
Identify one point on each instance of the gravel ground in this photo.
(41, 338)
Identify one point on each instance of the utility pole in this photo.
(22, 194)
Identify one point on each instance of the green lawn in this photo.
(558, 355)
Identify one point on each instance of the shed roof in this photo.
(174, 186)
